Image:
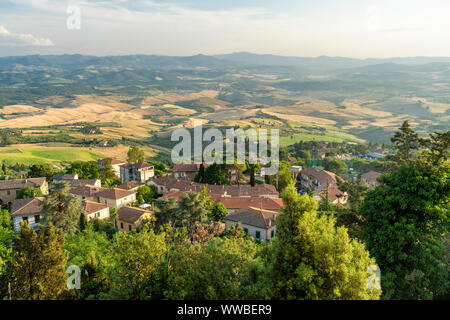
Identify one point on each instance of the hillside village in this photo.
(255, 208)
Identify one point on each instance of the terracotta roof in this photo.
(174, 194)
(130, 185)
(254, 217)
(186, 167)
(91, 207)
(137, 165)
(21, 183)
(239, 203)
(64, 176)
(81, 182)
(228, 190)
(115, 193)
(333, 192)
(85, 191)
(371, 176)
(29, 206)
(131, 215)
(112, 160)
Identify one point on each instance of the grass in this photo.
(30, 156)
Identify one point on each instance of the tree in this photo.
(28, 192)
(406, 216)
(334, 165)
(62, 209)
(37, 267)
(135, 155)
(284, 176)
(82, 224)
(312, 259)
(220, 269)
(41, 170)
(216, 174)
(6, 233)
(192, 210)
(218, 212)
(165, 211)
(85, 169)
(139, 257)
(148, 193)
(200, 175)
(107, 173)
(160, 168)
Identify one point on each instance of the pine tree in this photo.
(83, 221)
(37, 267)
(62, 209)
(312, 259)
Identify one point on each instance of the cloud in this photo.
(22, 39)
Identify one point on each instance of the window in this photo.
(37, 218)
(246, 230)
(121, 225)
(25, 219)
(129, 227)
(258, 235)
(8, 192)
(272, 233)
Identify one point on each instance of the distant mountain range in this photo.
(223, 61)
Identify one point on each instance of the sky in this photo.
(350, 28)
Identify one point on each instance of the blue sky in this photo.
(360, 29)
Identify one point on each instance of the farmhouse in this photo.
(185, 171)
(130, 185)
(140, 172)
(257, 222)
(65, 176)
(370, 179)
(9, 188)
(129, 218)
(95, 210)
(116, 198)
(29, 210)
(86, 192)
(318, 180)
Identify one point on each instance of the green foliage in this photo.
(135, 154)
(41, 170)
(138, 257)
(146, 193)
(312, 259)
(6, 233)
(28, 192)
(284, 176)
(218, 212)
(334, 165)
(216, 174)
(36, 270)
(82, 224)
(85, 169)
(406, 216)
(62, 209)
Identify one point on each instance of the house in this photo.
(115, 163)
(95, 210)
(295, 171)
(116, 198)
(9, 188)
(29, 210)
(185, 171)
(86, 192)
(370, 178)
(140, 172)
(80, 183)
(335, 195)
(129, 218)
(318, 180)
(130, 185)
(166, 184)
(257, 222)
(233, 203)
(65, 176)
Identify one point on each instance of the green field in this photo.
(45, 155)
